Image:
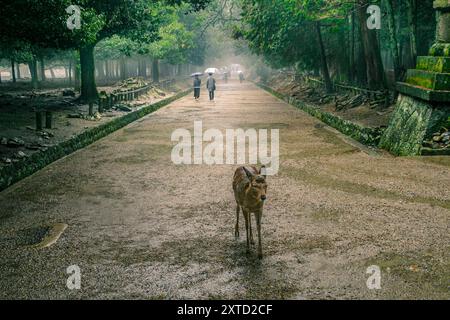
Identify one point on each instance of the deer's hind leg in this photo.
(236, 228)
(258, 225)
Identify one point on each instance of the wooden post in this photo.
(38, 120)
(48, 119)
(91, 109)
(100, 105)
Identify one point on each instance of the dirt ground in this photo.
(17, 116)
(141, 227)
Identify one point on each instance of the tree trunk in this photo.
(88, 87)
(34, 73)
(351, 68)
(13, 71)
(77, 75)
(70, 72)
(375, 72)
(41, 62)
(393, 43)
(117, 69)
(107, 70)
(411, 6)
(123, 69)
(324, 64)
(155, 70)
(102, 69)
(18, 70)
(142, 68)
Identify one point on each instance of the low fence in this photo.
(375, 95)
(107, 101)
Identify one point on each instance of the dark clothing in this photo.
(196, 93)
(211, 83)
(211, 86)
(197, 85)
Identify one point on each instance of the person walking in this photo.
(241, 76)
(197, 86)
(211, 86)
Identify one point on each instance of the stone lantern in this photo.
(423, 106)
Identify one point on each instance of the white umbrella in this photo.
(212, 70)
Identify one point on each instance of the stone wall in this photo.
(413, 121)
(17, 171)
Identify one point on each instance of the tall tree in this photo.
(100, 19)
(376, 77)
(393, 42)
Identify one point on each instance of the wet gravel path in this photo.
(141, 227)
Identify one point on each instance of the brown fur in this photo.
(250, 188)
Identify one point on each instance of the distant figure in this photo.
(225, 77)
(197, 85)
(211, 86)
(241, 76)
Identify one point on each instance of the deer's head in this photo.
(257, 185)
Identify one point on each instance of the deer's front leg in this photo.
(252, 242)
(236, 229)
(258, 225)
(246, 217)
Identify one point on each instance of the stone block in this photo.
(413, 121)
(434, 64)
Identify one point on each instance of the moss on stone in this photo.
(440, 50)
(428, 79)
(435, 64)
(413, 121)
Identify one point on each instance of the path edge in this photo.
(12, 174)
(364, 135)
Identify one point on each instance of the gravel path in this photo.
(141, 227)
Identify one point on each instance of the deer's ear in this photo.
(248, 173)
(263, 171)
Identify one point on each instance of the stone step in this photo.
(423, 93)
(434, 64)
(428, 79)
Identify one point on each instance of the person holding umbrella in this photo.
(211, 86)
(197, 86)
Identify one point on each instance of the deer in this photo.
(250, 193)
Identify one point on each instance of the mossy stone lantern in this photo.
(424, 102)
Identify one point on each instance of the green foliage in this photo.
(283, 30)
